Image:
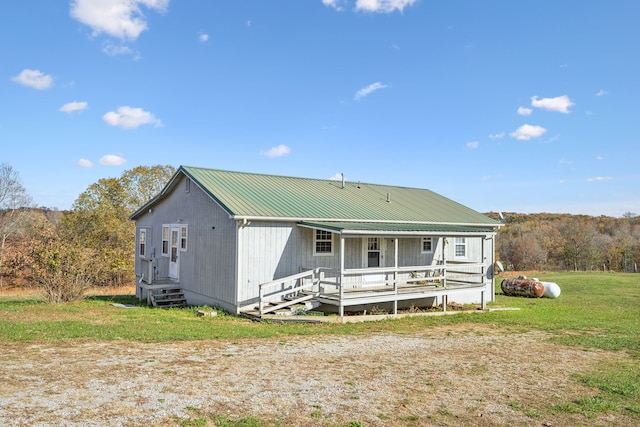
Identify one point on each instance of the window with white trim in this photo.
(142, 243)
(322, 243)
(165, 240)
(183, 238)
(460, 247)
(427, 245)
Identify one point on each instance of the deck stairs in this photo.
(292, 305)
(167, 297)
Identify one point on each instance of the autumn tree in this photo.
(99, 220)
(61, 269)
(14, 213)
(142, 183)
(564, 241)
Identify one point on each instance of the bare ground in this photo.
(440, 377)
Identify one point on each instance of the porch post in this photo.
(340, 306)
(492, 279)
(484, 270)
(444, 262)
(261, 302)
(395, 275)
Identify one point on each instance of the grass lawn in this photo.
(595, 311)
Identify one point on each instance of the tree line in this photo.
(92, 244)
(558, 242)
(64, 253)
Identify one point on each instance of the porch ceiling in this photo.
(395, 229)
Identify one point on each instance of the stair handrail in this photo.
(298, 285)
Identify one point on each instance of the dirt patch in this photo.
(436, 377)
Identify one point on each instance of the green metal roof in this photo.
(252, 195)
(389, 228)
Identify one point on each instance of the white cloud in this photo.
(118, 18)
(369, 89)
(336, 4)
(560, 103)
(84, 163)
(336, 177)
(497, 135)
(599, 179)
(112, 160)
(70, 107)
(203, 37)
(523, 111)
(34, 78)
(130, 118)
(279, 151)
(473, 145)
(383, 6)
(602, 92)
(116, 49)
(527, 132)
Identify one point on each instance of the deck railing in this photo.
(352, 284)
(290, 290)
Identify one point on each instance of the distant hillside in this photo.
(550, 241)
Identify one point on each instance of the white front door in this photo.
(174, 253)
(373, 257)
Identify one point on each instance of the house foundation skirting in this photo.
(406, 294)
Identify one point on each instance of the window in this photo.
(373, 252)
(142, 243)
(183, 238)
(174, 245)
(427, 245)
(165, 240)
(373, 244)
(323, 243)
(460, 247)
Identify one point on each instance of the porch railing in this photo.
(352, 284)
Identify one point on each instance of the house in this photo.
(247, 241)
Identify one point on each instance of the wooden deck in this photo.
(389, 287)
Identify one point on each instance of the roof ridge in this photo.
(262, 174)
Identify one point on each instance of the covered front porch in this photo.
(378, 265)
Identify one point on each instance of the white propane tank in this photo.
(551, 290)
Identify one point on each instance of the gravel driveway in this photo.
(436, 377)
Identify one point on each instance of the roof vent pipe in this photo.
(342, 174)
(388, 197)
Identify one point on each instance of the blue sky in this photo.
(519, 106)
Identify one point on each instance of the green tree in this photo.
(142, 183)
(99, 220)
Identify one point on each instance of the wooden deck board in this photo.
(387, 294)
